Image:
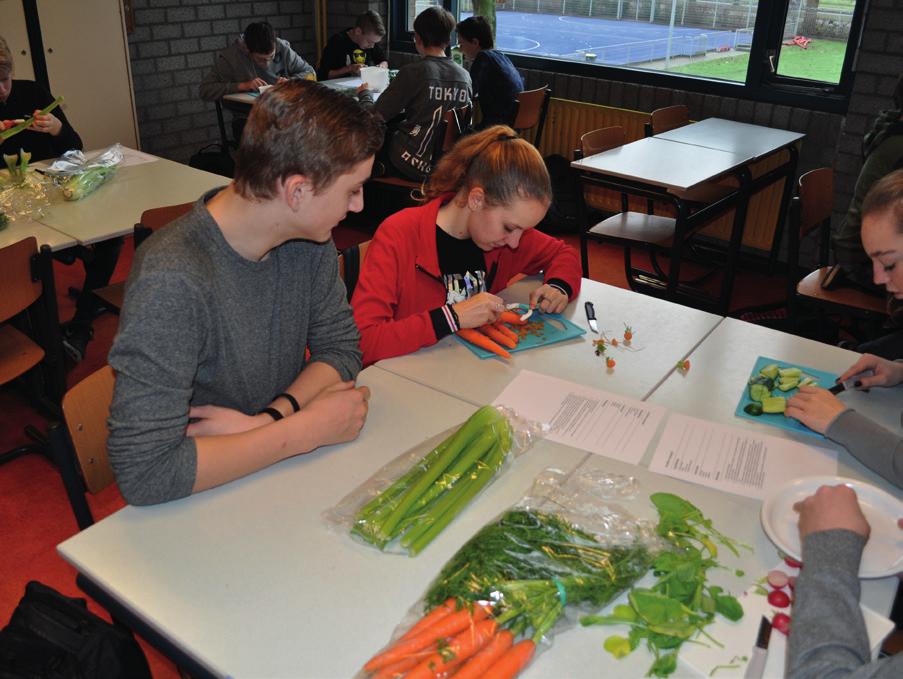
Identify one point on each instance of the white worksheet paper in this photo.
(590, 419)
(735, 460)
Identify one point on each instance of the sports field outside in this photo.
(821, 61)
(705, 38)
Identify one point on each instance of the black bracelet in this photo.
(272, 412)
(291, 399)
(454, 315)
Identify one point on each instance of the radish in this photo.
(779, 599)
(792, 582)
(793, 563)
(777, 579)
(781, 622)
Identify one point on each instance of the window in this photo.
(778, 50)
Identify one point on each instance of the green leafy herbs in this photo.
(680, 604)
(533, 565)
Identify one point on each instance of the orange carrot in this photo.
(431, 618)
(501, 327)
(459, 649)
(499, 337)
(512, 318)
(400, 668)
(479, 339)
(486, 658)
(446, 627)
(514, 660)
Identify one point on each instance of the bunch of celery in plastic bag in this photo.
(564, 549)
(408, 503)
(79, 177)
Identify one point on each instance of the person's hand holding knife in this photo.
(548, 299)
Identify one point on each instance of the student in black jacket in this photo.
(349, 50)
(496, 83)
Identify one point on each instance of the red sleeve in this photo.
(376, 299)
(538, 251)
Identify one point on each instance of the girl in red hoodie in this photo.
(433, 269)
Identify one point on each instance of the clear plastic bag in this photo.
(409, 501)
(78, 177)
(569, 547)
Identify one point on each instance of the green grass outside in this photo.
(822, 61)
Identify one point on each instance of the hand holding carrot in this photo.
(479, 310)
(548, 299)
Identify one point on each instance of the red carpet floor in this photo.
(34, 513)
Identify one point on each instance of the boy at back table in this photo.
(420, 95)
(212, 380)
(349, 50)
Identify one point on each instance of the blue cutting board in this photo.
(559, 330)
(825, 380)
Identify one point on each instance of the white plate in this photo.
(883, 554)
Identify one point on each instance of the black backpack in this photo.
(214, 158)
(51, 636)
(564, 212)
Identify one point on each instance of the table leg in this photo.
(681, 227)
(733, 250)
(785, 202)
(54, 367)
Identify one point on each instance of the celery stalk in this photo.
(462, 438)
(453, 502)
(25, 124)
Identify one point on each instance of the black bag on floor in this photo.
(214, 158)
(564, 212)
(51, 636)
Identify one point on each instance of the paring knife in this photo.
(852, 383)
(756, 667)
(591, 317)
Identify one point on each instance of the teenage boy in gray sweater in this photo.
(212, 378)
(256, 59)
(827, 636)
(420, 95)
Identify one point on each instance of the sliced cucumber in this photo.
(770, 371)
(787, 385)
(774, 404)
(790, 372)
(754, 409)
(757, 392)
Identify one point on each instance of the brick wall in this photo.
(171, 49)
(877, 67)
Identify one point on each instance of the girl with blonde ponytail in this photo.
(433, 269)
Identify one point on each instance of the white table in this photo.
(248, 580)
(662, 163)
(23, 228)
(720, 368)
(665, 333)
(114, 208)
(750, 141)
(348, 84)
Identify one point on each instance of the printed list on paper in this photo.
(735, 460)
(596, 421)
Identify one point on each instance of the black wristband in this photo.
(272, 412)
(291, 399)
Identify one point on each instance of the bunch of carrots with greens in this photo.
(512, 579)
(495, 337)
(420, 504)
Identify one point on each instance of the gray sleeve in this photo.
(295, 66)
(877, 448)
(398, 95)
(219, 81)
(333, 337)
(155, 356)
(827, 636)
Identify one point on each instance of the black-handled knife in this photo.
(591, 317)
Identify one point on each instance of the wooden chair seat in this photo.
(18, 353)
(635, 228)
(112, 296)
(810, 286)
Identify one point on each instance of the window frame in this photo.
(761, 84)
